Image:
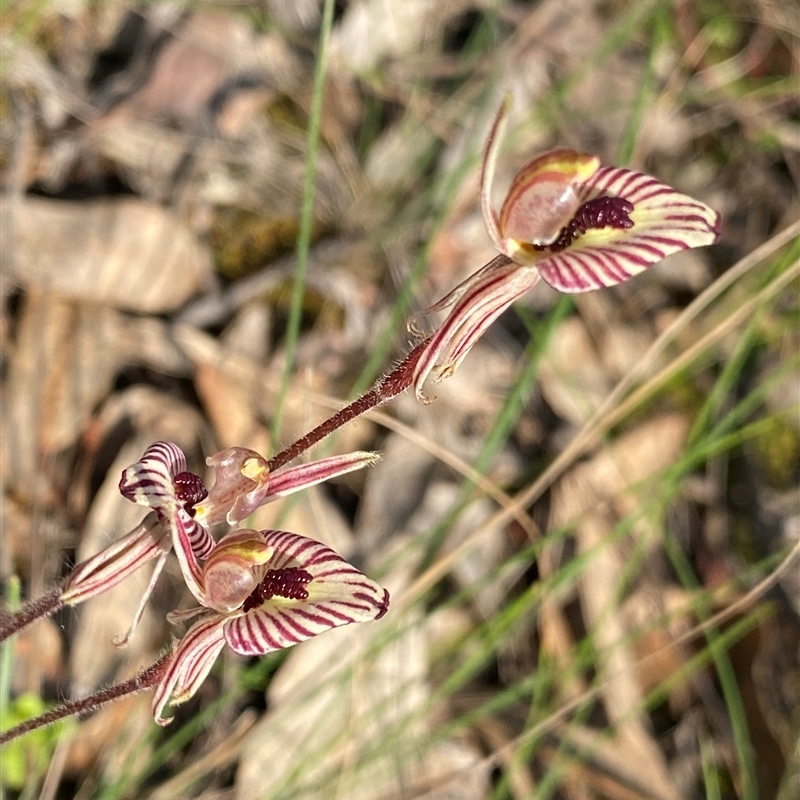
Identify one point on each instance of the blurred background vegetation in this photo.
(217, 219)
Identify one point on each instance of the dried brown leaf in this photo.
(483, 566)
(593, 494)
(121, 252)
(231, 409)
(372, 31)
(190, 68)
(622, 694)
(114, 739)
(303, 409)
(572, 377)
(393, 491)
(38, 656)
(62, 366)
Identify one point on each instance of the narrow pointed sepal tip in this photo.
(383, 607)
(422, 398)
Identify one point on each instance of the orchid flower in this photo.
(570, 221)
(259, 592)
(183, 511)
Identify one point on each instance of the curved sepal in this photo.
(184, 529)
(149, 482)
(116, 562)
(477, 307)
(490, 154)
(542, 199)
(292, 479)
(193, 659)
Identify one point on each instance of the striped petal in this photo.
(306, 589)
(292, 479)
(477, 307)
(149, 482)
(664, 222)
(200, 539)
(182, 528)
(117, 561)
(160, 480)
(193, 659)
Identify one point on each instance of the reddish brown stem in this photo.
(44, 606)
(86, 706)
(389, 386)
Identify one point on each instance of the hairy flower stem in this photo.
(385, 389)
(44, 606)
(86, 706)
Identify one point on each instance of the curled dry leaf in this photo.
(125, 253)
(208, 59)
(190, 70)
(393, 491)
(483, 565)
(61, 368)
(230, 408)
(303, 408)
(623, 696)
(301, 15)
(307, 707)
(394, 160)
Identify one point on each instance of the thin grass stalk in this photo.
(306, 216)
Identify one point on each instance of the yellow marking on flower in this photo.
(599, 236)
(255, 469)
(521, 252)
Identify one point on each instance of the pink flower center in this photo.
(602, 212)
(289, 582)
(189, 490)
